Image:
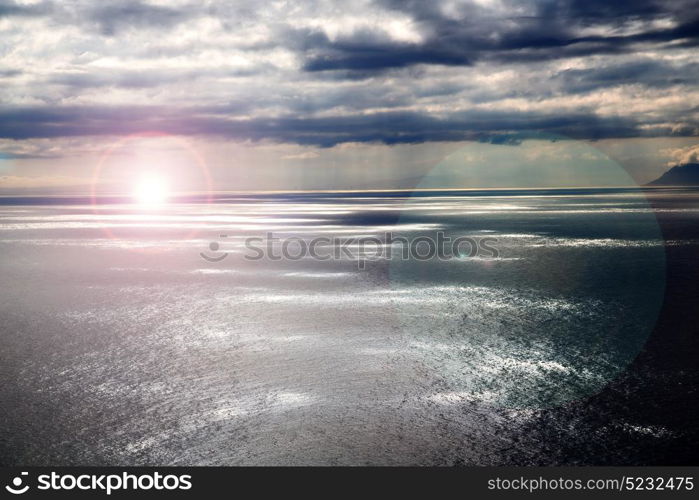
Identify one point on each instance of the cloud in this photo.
(9, 8)
(390, 127)
(15, 182)
(323, 73)
(113, 17)
(108, 16)
(306, 155)
(682, 156)
(649, 72)
(544, 30)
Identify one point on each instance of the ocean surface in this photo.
(139, 335)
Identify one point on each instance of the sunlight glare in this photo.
(151, 191)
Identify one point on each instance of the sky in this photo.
(341, 95)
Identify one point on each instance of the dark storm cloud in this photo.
(323, 74)
(363, 51)
(550, 31)
(386, 127)
(646, 71)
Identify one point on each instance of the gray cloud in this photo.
(548, 30)
(386, 127)
(9, 8)
(323, 73)
(112, 17)
(139, 79)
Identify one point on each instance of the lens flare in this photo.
(151, 191)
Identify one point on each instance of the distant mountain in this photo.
(679, 175)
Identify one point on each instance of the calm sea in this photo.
(135, 335)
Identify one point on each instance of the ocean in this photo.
(560, 331)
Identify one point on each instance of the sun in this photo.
(151, 191)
